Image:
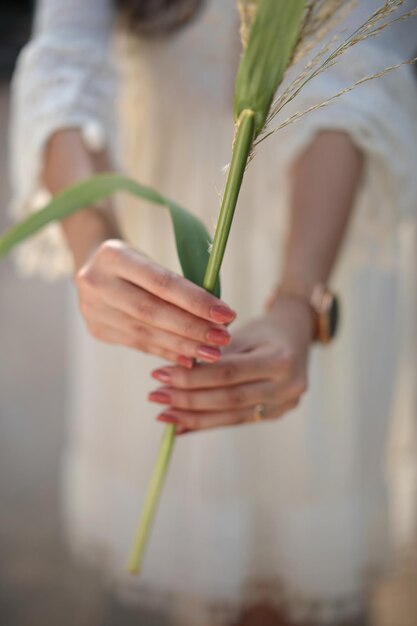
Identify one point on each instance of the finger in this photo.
(114, 336)
(207, 421)
(218, 399)
(171, 287)
(150, 310)
(104, 314)
(232, 369)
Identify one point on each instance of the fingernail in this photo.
(162, 375)
(222, 314)
(160, 396)
(185, 361)
(208, 353)
(167, 418)
(219, 336)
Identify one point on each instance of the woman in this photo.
(290, 510)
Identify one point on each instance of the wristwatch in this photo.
(322, 302)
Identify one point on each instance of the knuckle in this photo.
(143, 334)
(186, 348)
(198, 301)
(187, 400)
(79, 278)
(191, 422)
(163, 279)
(300, 386)
(181, 378)
(272, 362)
(96, 331)
(239, 417)
(137, 344)
(87, 279)
(276, 394)
(192, 328)
(277, 361)
(280, 412)
(110, 250)
(287, 363)
(237, 396)
(293, 405)
(145, 310)
(228, 373)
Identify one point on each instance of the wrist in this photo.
(86, 231)
(297, 309)
(322, 304)
(301, 284)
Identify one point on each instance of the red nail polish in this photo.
(162, 375)
(218, 336)
(222, 314)
(160, 396)
(167, 418)
(207, 353)
(185, 361)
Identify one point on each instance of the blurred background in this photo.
(39, 585)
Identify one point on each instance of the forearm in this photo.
(324, 183)
(67, 162)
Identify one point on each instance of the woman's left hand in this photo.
(265, 364)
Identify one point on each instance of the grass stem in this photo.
(243, 141)
(152, 498)
(241, 149)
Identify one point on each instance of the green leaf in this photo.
(191, 237)
(271, 44)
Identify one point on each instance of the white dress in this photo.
(299, 504)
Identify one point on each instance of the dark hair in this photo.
(156, 17)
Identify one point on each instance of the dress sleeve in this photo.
(380, 116)
(64, 78)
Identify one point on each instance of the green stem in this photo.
(241, 150)
(152, 498)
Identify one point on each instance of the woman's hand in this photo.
(125, 297)
(266, 363)
(128, 299)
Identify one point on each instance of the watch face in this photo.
(326, 306)
(334, 315)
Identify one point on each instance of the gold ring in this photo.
(258, 412)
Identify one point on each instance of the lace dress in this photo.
(299, 506)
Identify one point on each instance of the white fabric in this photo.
(301, 501)
(64, 79)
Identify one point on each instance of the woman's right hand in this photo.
(128, 299)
